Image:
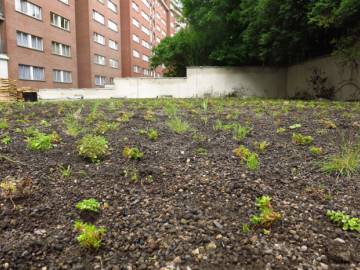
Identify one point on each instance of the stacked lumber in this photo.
(8, 91)
(22, 90)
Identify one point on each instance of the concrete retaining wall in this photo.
(221, 81)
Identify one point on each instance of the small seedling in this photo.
(12, 188)
(242, 152)
(267, 214)
(133, 175)
(178, 126)
(152, 134)
(246, 228)
(262, 146)
(132, 153)
(103, 127)
(201, 151)
(328, 124)
(315, 150)
(89, 205)
(90, 236)
(302, 139)
(240, 132)
(65, 171)
(4, 124)
(253, 162)
(93, 147)
(280, 130)
(295, 126)
(5, 140)
(346, 222)
(125, 117)
(149, 116)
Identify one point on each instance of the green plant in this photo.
(5, 140)
(133, 175)
(262, 146)
(315, 150)
(149, 116)
(242, 152)
(65, 171)
(88, 205)
(253, 162)
(267, 214)
(178, 126)
(300, 139)
(72, 126)
(346, 222)
(240, 132)
(246, 228)
(93, 147)
(11, 188)
(40, 142)
(90, 236)
(152, 134)
(347, 162)
(102, 127)
(295, 126)
(4, 124)
(132, 153)
(280, 130)
(201, 151)
(44, 123)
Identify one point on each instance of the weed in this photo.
(328, 124)
(102, 127)
(89, 205)
(347, 162)
(240, 132)
(201, 151)
(125, 117)
(170, 110)
(90, 236)
(346, 222)
(253, 162)
(198, 137)
(149, 116)
(65, 171)
(133, 175)
(315, 150)
(178, 126)
(246, 228)
(267, 214)
(5, 140)
(280, 130)
(300, 139)
(93, 147)
(44, 123)
(12, 188)
(132, 153)
(295, 126)
(72, 126)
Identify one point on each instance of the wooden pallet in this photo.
(8, 90)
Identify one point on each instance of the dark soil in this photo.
(190, 213)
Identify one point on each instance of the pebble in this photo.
(211, 246)
(324, 266)
(339, 240)
(303, 248)
(6, 265)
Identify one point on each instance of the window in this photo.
(146, 3)
(99, 38)
(28, 8)
(135, 22)
(99, 59)
(113, 63)
(31, 73)
(98, 17)
(136, 54)
(145, 16)
(29, 41)
(101, 1)
(113, 26)
(65, 1)
(136, 38)
(146, 44)
(113, 45)
(60, 21)
(111, 80)
(145, 30)
(62, 76)
(135, 6)
(100, 80)
(112, 6)
(61, 49)
(137, 69)
(147, 72)
(145, 58)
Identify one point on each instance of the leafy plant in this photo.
(102, 127)
(12, 188)
(132, 153)
(242, 152)
(65, 171)
(40, 142)
(262, 146)
(90, 236)
(300, 139)
(133, 175)
(152, 134)
(201, 151)
(88, 205)
(267, 214)
(346, 222)
(178, 126)
(6, 140)
(315, 150)
(295, 126)
(149, 116)
(253, 162)
(280, 130)
(246, 228)
(4, 124)
(93, 147)
(72, 126)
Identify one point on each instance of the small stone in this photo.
(195, 252)
(39, 232)
(177, 260)
(303, 248)
(211, 246)
(219, 236)
(218, 225)
(6, 265)
(324, 266)
(339, 240)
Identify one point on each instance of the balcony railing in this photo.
(2, 14)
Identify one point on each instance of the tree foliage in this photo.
(260, 32)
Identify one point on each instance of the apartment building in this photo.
(99, 42)
(81, 43)
(144, 24)
(39, 37)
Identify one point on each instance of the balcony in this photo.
(2, 12)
